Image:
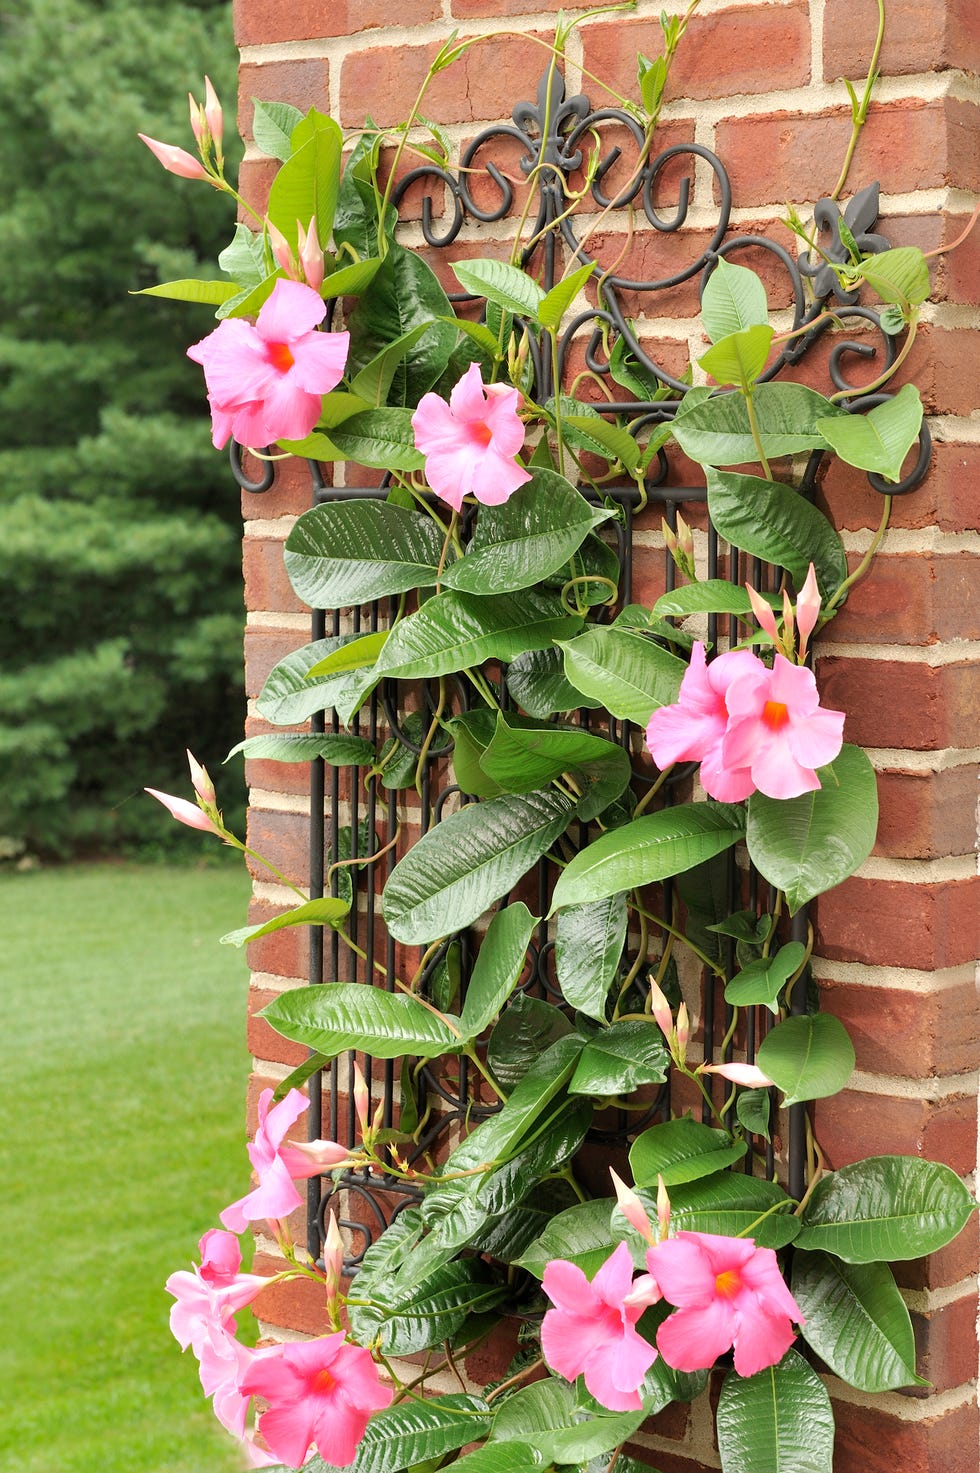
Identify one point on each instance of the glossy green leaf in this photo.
(375, 378)
(779, 1421)
(305, 186)
(526, 539)
(289, 697)
(380, 438)
(349, 1015)
(405, 293)
(753, 1110)
(361, 653)
(525, 1031)
(431, 1312)
(807, 1057)
(211, 293)
(581, 1234)
(621, 1058)
(472, 732)
(556, 303)
(763, 980)
(880, 439)
(713, 596)
(886, 1207)
(589, 941)
(272, 128)
(772, 521)
(413, 1431)
(337, 749)
(533, 1411)
(400, 760)
(900, 275)
(350, 281)
(522, 758)
(454, 631)
(807, 845)
(732, 1205)
(243, 259)
(498, 966)
(594, 570)
(324, 912)
(507, 286)
(596, 435)
(591, 1439)
(733, 299)
(536, 682)
(856, 1321)
(459, 868)
(716, 431)
(648, 849)
(681, 1150)
(350, 552)
(740, 357)
(629, 675)
(515, 1457)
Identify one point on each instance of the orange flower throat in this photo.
(280, 357)
(775, 714)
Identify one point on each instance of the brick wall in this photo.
(897, 943)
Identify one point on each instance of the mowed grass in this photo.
(122, 1078)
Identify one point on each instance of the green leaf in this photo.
(305, 187)
(272, 128)
(589, 941)
(380, 438)
(886, 1207)
(680, 1151)
(762, 981)
(472, 732)
(358, 655)
(753, 1108)
(881, 439)
(288, 697)
(716, 431)
(505, 285)
(405, 293)
(524, 1032)
(599, 437)
(900, 275)
(431, 1312)
(629, 675)
(243, 259)
(351, 1015)
(375, 378)
(336, 748)
(732, 1205)
(733, 299)
(526, 539)
(621, 1058)
(856, 1321)
(581, 1234)
(585, 1440)
(650, 848)
(807, 845)
(652, 77)
(522, 758)
(212, 293)
(740, 357)
(454, 631)
(399, 769)
(713, 596)
(458, 869)
(773, 522)
(532, 1412)
(350, 281)
(414, 1431)
(556, 303)
(807, 1057)
(498, 966)
(515, 1457)
(536, 682)
(324, 912)
(351, 552)
(779, 1421)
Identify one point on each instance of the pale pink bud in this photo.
(683, 1032)
(747, 1074)
(185, 812)
(175, 160)
(362, 1099)
(282, 250)
(789, 624)
(661, 1010)
(663, 1209)
(320, 1155)
(198, 120)
(333, 1259)
(765, 617)
(807, 609)
(632, 1208)
(311, 255)
(213, 114)
(201, 782)
(644, 1292)
(669, 536)
(685, 538)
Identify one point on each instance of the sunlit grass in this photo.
(122, 1072)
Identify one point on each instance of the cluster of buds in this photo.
(636, 1214)
(204, 813)
(306, 265)
(676, 1035)
(798, 622)
(207, 125)
(680, 544)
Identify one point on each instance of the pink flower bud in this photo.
(213, 115)
(765, 617)
(685, 539)
(175, 160)
(201, 782)
(311, 255)
(746, 1074)
(362, 1100)
(282, 251)
(644, 1292)
(661, 1010)
(669, 536)
(789, 626)
(632, 1208)
(185, 812)
(807, 610)
(683, 1032)
(333, 1260)
(663, 1209)
(310, 1157)
(199, 122)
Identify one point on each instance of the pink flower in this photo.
(322, 1392)
(470, 443)
(777, 730)
(591, 1331)
(184, 811)
(728, 1293)
(693, 729)
(175, 160)
(223, 1365)
(266, 380)
(208, 1297)
(277, 1165)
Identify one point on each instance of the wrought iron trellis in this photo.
(349, 819)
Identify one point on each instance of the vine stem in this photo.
(866, 561)
(756, 436)
(859, 113)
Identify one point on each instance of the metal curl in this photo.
(590, 122)
(918, 472)
(235, 453)
(724, 186)
(448, 234)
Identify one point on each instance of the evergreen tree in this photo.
(119, 525)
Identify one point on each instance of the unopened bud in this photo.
(333, 1261)
(632, 1208)
(214, 117)
(765, 618)
(311, 255)
(362, 1100)
(663, 1209)
(282, 251)
(683, 1032)
(807, 610)
(201, 782)
(660, 1008)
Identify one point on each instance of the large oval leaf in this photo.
(620, 1058)
(886, 1208)
(650, 848)
(381, 438)
(457, 630)
(458, 869)
(807, 1057)
(505, 285)
(779, 1421)
(405, 293)
(498, 966)
(521, 757)
(682, 1150)
(416, 1431)
(581, 1235)
(536, 682)
(350, 552)
(881, 439)
(589, 941)
(716, 430)
(856, 1321)
(807, 845)
(630, 676)
(431, 1312)
(351, 1015)
(289, 696)
(733, 1206)
(774, 522)
(732, 300)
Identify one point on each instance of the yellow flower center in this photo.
(728, 1284)
(280, 357)
(775, 714)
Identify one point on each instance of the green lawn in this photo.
(122, 1075)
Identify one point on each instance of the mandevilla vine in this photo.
(489, 545)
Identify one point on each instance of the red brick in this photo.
(263, 1040)
(384, 81)
(264, 648)
(947, 497)
(920, 36)
(255, 178)
(911, 599)
(303, 81)
(943, 365)
(929, 925)
(267, 587)
(852, 1126)
(297, 1304)
(946, 1345)
(744, 49)
(283, 839)
(881, 1020)
(290, 494)
(259, 22)
(926, 815)
(902, 703)
(282, 953)
(493, 9)
(871, 1441)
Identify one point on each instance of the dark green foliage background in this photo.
(119, 524)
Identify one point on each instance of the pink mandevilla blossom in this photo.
(778, 731)
(175, 160)
(276, 1165)
(266, 380)
(470, 443)
(591, 1331)
(209, 1296)
(693, 729)
(728, 1293)
(320, 1393)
